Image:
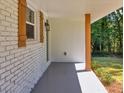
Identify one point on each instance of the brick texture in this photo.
(20, 68)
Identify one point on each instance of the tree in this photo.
(107, 33)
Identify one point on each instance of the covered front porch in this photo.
(69, 46)
(45, 45)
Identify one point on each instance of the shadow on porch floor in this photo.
(68, 78)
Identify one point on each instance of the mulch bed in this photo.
(115, 87)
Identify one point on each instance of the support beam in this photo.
(88, 41)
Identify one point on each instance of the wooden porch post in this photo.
(88, 41)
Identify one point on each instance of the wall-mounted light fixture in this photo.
(47, 25)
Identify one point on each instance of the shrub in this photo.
(104, 76)
(118, 66)
(99, 72)
(95, 65)
(107, 78)
(100, 54)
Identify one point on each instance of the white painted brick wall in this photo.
(20, 68)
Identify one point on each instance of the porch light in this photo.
(47, 25)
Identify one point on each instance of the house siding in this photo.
(20, 68)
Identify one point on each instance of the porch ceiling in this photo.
(77, 8)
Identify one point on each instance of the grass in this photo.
(110, 64)
(109, 69)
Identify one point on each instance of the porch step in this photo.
(90, 83)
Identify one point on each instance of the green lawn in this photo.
(111, 65)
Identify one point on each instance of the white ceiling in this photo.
(77, 8)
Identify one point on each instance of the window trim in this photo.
(30, 23)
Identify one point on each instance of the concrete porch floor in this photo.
(68, 78)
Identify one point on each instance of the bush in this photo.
(100, 54)
(95, 65)
(99, 72)
(107, 54)
(117, 66)
(105, 77)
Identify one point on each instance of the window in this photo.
(30, 24)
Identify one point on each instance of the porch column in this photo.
(88, 41)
